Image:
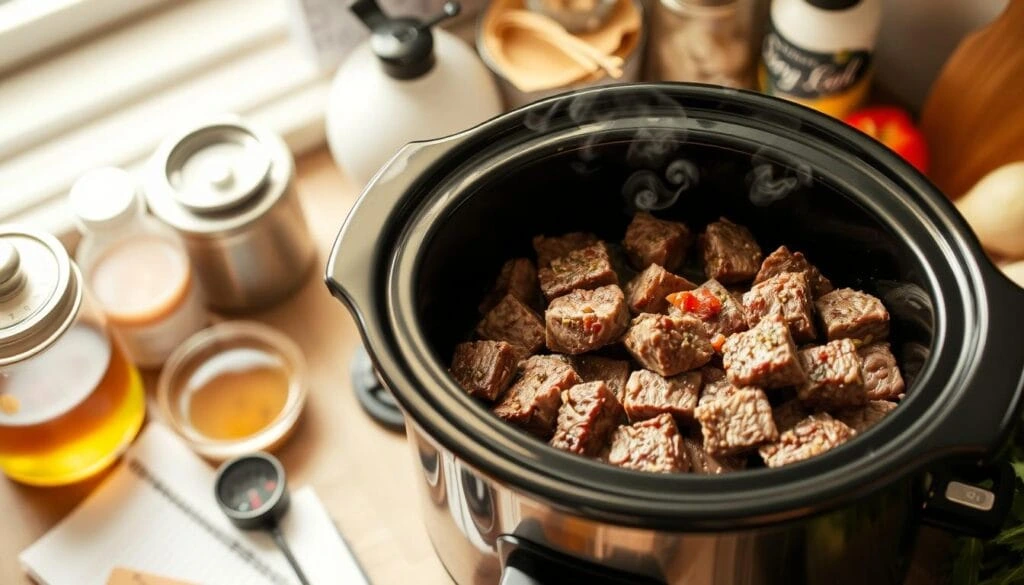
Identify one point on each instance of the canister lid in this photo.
(105, 198)
(217, 176)
(39, 292)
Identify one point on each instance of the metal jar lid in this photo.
(40, 292)
(217, 176)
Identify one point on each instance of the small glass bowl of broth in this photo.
(233, 388)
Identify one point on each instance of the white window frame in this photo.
(88, 95)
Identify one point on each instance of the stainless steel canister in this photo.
(229, 188)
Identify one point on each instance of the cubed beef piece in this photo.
(728, 319)
(585, 268)
(731, 253)
(788, 414)
(484, 368)
(585, 320)
(649, 394)
(518, 278)
(646, 293)
(782, 260)
(810, 437)
(594, 368)
(789, 293)
(649, 445)
(549, 248)
(589, 414)
(862, 418)
(703, 462)
(853, 314)
(533, 400)
(668, 345)
(764, 356)
(735, 423)
(650, 240)
(882, 379)
(833, 376)
(512, 321)
(715, 384)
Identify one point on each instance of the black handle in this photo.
(990, 403)
(353, 258)
(527, 563)
(968, 498)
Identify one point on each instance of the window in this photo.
(85, 83)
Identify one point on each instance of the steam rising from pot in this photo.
(772, 180)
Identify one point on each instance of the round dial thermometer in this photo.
(251, 491)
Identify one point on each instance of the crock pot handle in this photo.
(990, 403)
(355, 251)
(968, 498)
(527, 563)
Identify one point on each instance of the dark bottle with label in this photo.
(819, 52)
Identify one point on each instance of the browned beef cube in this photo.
(853, 314)
(731, 253)
(484, 368)
(512, 321)
(765, 356)
(790, 293)
(518, 278)
(650, 240)
(882, 379)
(862, 418)
(585, 268)
(788, 414)
(735, 423)
(668, 345)
(646, 293)
(649, 445)
(589, 414)
(703, 462)
(594, 368)
(812, 436)
(533, 400)
(549, 248)
(731, 317)
(717, 385)
(782, 260)
(585, 320)
(833, 376)
(649, 394)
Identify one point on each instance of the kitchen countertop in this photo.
(362, 473)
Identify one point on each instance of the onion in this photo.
(994, 208)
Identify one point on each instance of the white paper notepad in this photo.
(156, 513)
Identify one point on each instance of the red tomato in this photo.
(700, 302)
(893, 127)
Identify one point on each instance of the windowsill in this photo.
(110, 99)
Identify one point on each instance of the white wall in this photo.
(918, 36)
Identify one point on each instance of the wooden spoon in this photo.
(624, 20)
(531, 63)
(557, 36)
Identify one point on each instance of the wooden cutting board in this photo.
(974, 116)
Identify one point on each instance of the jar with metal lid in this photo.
(228, 187)
(70, 401)
(703, 41)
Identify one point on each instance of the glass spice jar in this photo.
(703, 41)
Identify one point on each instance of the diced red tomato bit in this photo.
(701, 302)
(717, 342)
(592, 325)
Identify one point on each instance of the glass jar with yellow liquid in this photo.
(70, 402)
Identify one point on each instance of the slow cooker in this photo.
(426, 238)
